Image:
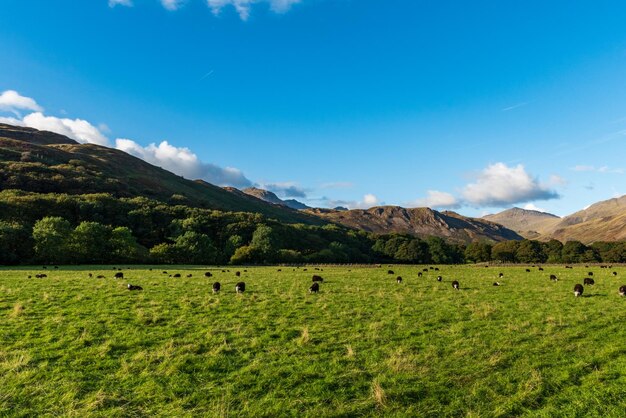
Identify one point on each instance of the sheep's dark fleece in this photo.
(216, 287)
(315, 287)
(578, 290)
(455, 284)
(208, 274)
(399, 279)
(622, 290)
(119, 275)
(589, 281)
(317, 278)
(240, 287)
(134, 287)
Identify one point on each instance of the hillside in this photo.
(271, 197)
(528, 223)
(45, 162)
(603, 221)
(420, 222)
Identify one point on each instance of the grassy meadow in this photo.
(364, 346)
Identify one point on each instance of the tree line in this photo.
(102, 229)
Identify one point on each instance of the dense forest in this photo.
(99, 228)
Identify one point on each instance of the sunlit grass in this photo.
(365, 345)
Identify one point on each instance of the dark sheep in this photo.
(501, 275)
(30, 277)
(590, 274)
(436, 268)
(240, 287)
(237, 273)
(134, 287)
(189, 275)
(419, 274)
(614, 273)
(589, 281)
(100, 276)
(90, 275)
(317, 278)
(496, 284)
(527, 270)
(399, 279)
(119, 275)
(439, 278)
(216, 287)
(432, 268)
(455, 285)
(223, 271)
(540, 268)
(208, 274)
(390, 272)
(578, 290)
(315, 288)
(425, 270)
(164, 272)
(622, 290)
(177, 275)
(553, 278)
(279, 270)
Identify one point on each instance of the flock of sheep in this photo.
(240, 287)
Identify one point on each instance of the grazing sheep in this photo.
(279, 270)
(208, 274)
(553, 278)
(134, 287)
(496, 284)
(164, 272)
(223, 271)
(589, 281)
(540, 268)
(419, 274)
(614, 273)
(455, 285)
(501, 275)
(622, 290)
(119, 275)
(317, 278)
(425, 270)
(90, 275)
(527, 270)
(436, 268)
(245, 271)
(578, 290)
(237, 273)
(240, 287)
(590, 273)
(216, 287)
(100, 276)
(439, 278)
(189, 275)
(399, 279)
(315, 288)
(30, 277)
(390, 272)
(177, 275)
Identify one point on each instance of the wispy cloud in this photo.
(515, 106)
(337, 185)
(437, 200)
(172, 4)
(127, 3)
(604, 169)
(285, 189)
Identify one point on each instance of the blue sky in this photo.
(475, 106)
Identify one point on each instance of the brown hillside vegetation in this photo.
(528, 223)
(420, 222)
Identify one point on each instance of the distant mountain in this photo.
(528, 223)
(46, 162)
(603, 221)
(271, 197)
(421, 222)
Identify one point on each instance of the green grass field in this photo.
(363, 346)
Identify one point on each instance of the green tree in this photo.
(90, 243)
(573, 252)
(478, 252)
(552, 251)
(530, 251)
(16, 244)
(164, 253)
(413, 251)
(505, 251)
(124, 246)
(265, 243)
(195, 248)
(52, 240)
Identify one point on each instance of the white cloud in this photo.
(337, 185)
(367, 202)
(183, 162)
(531, 206)
(12, 101)
(127, 3)
(243, 6)
(172, 4)
(77, 129)
(436, 199)
(285, 189)
(500, 185)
